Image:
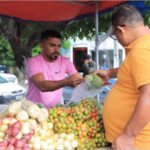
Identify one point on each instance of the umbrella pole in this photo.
(97, 42)
(96, 36)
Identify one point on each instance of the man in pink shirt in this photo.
(46, 72)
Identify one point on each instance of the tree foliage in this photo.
(85, 27)
(6, 53)
(147, 14)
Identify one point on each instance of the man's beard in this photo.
(53, 56)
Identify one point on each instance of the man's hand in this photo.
(104, 74)
(74, 80)
(123, 142)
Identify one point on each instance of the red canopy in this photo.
(52, 10)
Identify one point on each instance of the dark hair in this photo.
(87, 57)
(126, 15)
(50, 33)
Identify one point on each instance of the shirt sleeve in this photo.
(140, 66)
(33, 67)
(70, 68)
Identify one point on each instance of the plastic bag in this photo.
(82, 91)
(3, 108)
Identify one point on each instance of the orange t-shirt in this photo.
(121, 100)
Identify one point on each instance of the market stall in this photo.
(27, 125)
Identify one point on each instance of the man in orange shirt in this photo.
(127, 107)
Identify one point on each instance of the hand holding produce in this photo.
(95, 80)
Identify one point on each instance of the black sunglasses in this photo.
(112, 35)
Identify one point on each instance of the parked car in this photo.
(3, 69)
(9, 77)
(10, 91)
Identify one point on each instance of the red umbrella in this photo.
(53, 10)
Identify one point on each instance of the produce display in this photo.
(28, 126)
(24, 126)
(83, 120)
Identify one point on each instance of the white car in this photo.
(9, 77)
(10, 91)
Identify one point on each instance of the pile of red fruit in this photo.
(84, 120)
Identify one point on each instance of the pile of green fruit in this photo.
(95, 80)
(84, 120)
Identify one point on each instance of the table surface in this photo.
(106, 148)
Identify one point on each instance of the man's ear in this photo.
(121, 29)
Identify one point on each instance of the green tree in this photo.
(147, 14)
(23, 36)
(6, 53)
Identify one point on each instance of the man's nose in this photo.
(57, 48)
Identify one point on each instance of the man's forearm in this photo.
(113, 72)
(46, 86)
(140, 116)
(52, 85)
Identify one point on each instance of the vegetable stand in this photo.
(27, 125)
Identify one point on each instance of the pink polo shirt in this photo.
(52, 71)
